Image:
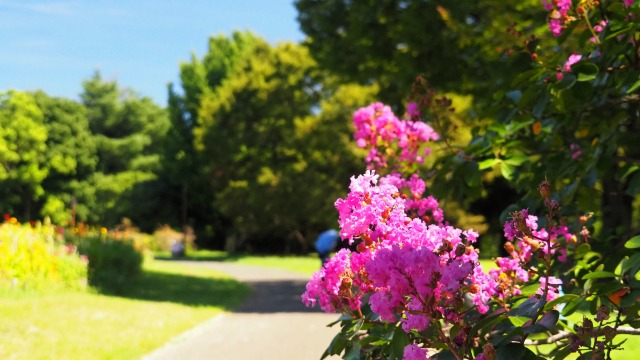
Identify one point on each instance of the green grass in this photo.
(301, 264)
(165, 301)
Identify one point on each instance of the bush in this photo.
(165, 236)
(112, 263)
(35, 257)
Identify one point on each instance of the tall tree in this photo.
(248, 140)
(71, 158)
(129, 131)
(455, 45)
(188, 188)
(23, 148)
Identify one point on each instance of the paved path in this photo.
(271, 325)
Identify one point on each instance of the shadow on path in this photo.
(187, 290)
(272, 290)
(276, 296)
(271, 324)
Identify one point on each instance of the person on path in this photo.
(326, 243)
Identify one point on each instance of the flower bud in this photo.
(574, 343)
(545, 189)
(587, 325)
(509, 247)
(609, 333)
(460, 249)
(602, 314)
(489, 352)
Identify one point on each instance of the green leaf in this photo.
(582, 250)
(549, 319)
(530, 289)
(586, 71)
(338, 344)
(541, 104)
(514, 96)
(516, 160)
(519, 321)
(560, 300)
(630, 299)
(528, 308)
(352, 353)
(572, 306)
(563, 354)
(626, 170)
(398, 342)
(445, 355)
(634, 87)
(607, 288)
(599, 275)
(488, 163)
(567, 82)
(507, 171)
(489, 321)
(633, 243)
(630, 263)
(514, 351)
(472, 174)
(634, 184)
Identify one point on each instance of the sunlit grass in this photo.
(167, 300)
(304, 264)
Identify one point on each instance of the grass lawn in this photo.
(165, 301)
(301, 264)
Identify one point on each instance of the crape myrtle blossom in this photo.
(413, 271)
(559, 16)
(385, 136)
(415, 204)
(566, 68)
(414, 352)
(512, 271)
(553, 284)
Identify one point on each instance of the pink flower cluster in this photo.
(512, 271)
(573, 59)
(386, 136)
(559, 17)
(412, 272)
(416, 205)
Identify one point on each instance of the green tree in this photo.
(129, 132)
(457, 46)
(255, 128)
(184, 181)
(71, 160)
(246, 132)
(23, 147)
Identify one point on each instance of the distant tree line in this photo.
(252, 151)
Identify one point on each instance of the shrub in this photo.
(164, 237)
(113, 263)
(35, 257)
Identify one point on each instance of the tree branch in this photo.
(565, 334)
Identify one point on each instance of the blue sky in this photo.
(55, 45)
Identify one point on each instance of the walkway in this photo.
(272, 324)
